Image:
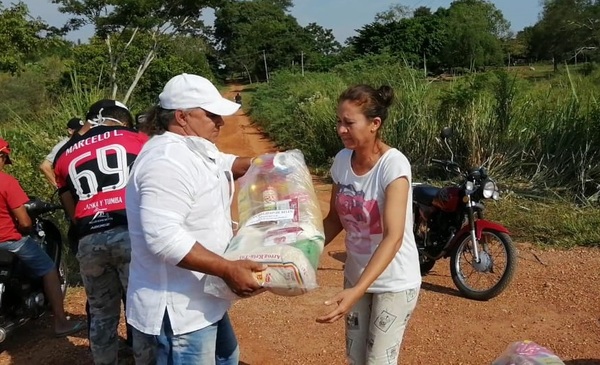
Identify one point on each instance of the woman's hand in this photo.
(344, 301)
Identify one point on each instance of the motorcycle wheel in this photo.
(54, 250)
(490, 269)
(426, 266)
(62, 276)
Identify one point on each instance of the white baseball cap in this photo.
(187, 91)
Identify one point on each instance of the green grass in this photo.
(547, 223)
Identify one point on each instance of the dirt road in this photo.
(554, 300)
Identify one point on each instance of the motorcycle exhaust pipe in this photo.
(6, 329)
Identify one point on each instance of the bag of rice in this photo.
(281, 226)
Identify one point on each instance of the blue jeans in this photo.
(215, 344)
(31, 254)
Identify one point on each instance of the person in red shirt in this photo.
(14, 222)
(92, 170)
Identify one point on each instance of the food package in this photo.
(281, 226)
(527, 353)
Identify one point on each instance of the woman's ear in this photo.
(375, 124)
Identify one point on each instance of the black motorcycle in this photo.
(21, 295)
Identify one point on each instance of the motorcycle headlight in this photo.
(489, 188)
(469, 186)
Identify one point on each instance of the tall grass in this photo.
(536, 135)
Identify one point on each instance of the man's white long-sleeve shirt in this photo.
(178, 194)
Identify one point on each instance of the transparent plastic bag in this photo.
(527, 353)
(281, 226)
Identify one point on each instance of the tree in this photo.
(422, 11)
(564, 27)
(21, 37)
(120, 22)
(321, 51)
(395, 13)
(249, 34)
(181, 53)
(474, 32)
(418, 40)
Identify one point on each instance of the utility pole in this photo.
(302, 62)
(266, 69)
(425, 64)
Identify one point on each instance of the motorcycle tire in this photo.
(54, 249)
(426, 266)
(511, 266)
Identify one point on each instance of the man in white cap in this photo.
(178, 207)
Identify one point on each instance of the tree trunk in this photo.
(140, 72)
(112, 76)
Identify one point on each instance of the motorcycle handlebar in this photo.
(36, 207)
(445, 163)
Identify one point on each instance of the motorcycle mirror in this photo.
(446, 133)
(483, 172)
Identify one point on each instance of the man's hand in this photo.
(240, 277)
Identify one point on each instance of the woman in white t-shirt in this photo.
(371, 200)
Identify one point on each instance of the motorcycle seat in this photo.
(6, 257)
(424, 194)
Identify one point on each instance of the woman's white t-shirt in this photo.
(359, 204)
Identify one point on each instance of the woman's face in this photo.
(353, 127)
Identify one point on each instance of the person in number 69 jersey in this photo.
(92, 170)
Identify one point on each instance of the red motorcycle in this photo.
(448, 222)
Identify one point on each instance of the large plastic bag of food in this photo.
(527, 353)
(280, 226)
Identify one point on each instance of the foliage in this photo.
(248, 33)
(32, 138)
(547, 222)
(120, 23)
(91, 63)
(22, 38)
(474, 29)
(542, 135)
(468, 34)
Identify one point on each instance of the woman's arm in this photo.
(394, 216)
(332, 224)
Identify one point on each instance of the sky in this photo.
(342, 16)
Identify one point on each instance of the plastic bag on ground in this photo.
(281, 226)
(527, 353)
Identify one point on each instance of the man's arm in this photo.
(68, 202)
(48, 171)
(236, 274)
(166, 196)
(240, 166)
(16, 200)
(24, 224)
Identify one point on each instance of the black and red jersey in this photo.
(95, 168)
